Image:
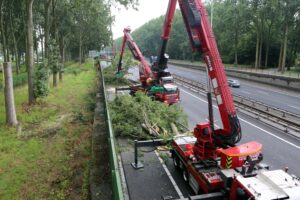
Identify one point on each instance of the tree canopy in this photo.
(260, 33)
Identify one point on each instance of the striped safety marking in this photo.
(228, 162)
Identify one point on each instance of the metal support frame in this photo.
(121, 89)
(145, 143)
(210, 196)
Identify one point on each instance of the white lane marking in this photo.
(295, 107)
(170, 176)
(262, 92)
(245, 92)
(279, 138)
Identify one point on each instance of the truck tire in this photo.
(185, 175)
(176, 161)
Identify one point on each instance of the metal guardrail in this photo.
(113, 159)
(202, 66)
(289, 121)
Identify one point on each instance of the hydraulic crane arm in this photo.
(145, 71)
(202, 40)
(162, 60)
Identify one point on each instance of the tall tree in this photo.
(29, 52)
(11, 117)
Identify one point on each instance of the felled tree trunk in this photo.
(11, 117)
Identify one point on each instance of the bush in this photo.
(72, 70)
(41, 76)
(20, 79)
(109, 73)
(128, 113)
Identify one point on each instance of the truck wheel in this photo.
(185, 175)
(176, 161)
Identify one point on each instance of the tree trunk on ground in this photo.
(30, 61)
(284, 49)
(11, 117)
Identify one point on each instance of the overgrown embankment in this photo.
(47, 156)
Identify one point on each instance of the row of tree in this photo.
(260, 33)
(49, 31)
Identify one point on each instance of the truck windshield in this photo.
(170, 89)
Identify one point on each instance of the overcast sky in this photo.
(147, 10)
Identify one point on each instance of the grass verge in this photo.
(47, 156)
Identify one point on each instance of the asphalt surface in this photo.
(279, 149)
(274, 96)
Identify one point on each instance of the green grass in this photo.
(34, 165)
(18, 79)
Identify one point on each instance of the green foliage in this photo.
(236, 25)
(41, 77)
(54, 56)
(44, 167)
(109, 73)
(20, 79)
(72, 70)
(128, 113)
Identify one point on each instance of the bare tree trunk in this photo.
(14, 42)
(30, 61)
(18, 62)
(4, 45)
(36, 44)
(47, 28)
(268, 44)
(257, 50)
(11, 117)
(42, 43)
(235, 35)
(54, 75)
(260, 52)
(62, 57)
(80, 49)
(284, 49)
(280, 56)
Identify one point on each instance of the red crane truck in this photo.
(163, 90)
(210, 161)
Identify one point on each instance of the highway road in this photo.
(267, 94)
(279, 150)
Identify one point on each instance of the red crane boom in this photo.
(144, 68)
(203, 41)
